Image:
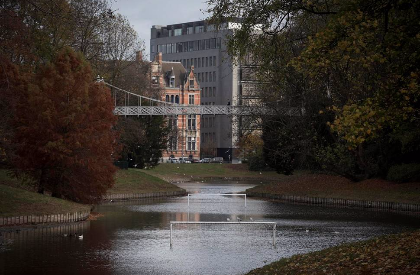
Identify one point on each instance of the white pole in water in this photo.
(170, 236)
(188, 195)
(245, 200)
(274, 235)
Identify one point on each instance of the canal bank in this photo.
(21, 206)
(133, 236)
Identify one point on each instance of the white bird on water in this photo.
(251, 219)
(238, 219)
(80, 237)
(228, 219)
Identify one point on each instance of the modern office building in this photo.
(200, 45)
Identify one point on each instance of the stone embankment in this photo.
(80, 216)
(44, 219)
(380, 205)
(144, 195)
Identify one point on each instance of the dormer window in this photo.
(155, 80)
(192, 83)
(172, 82)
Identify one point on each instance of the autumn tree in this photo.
(352, 66)
(64, 134)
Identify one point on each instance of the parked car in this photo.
(205, 160)
(173, 160)
(184, 160)
(217, 160)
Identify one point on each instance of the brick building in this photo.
(179, 86)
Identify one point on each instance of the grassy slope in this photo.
(15, 201)
(19, 202)
(175, 171)
(135, 181)
(393, 254)
(328, 186)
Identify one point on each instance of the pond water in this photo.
(133, 237)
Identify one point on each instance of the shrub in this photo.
(404, 172)
(256, 162)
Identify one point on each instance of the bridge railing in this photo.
(202, 110)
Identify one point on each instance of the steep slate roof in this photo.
(175, 68)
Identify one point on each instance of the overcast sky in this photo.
(143, 14)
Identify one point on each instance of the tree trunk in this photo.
(42, 181)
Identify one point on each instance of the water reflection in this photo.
(133, 237)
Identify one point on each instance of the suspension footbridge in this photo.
(131, 104)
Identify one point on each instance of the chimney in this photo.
(139, 56)
(159, 58)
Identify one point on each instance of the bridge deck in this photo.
(199, 110)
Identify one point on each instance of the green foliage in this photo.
(256, 162)
(143, 139)
(404, 172)
(351, 65)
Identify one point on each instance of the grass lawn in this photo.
(392, 254)
(19, 202)
(136, 181)
(328, 186)
(178, 171)
(16, 201)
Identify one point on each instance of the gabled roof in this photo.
(174, 69)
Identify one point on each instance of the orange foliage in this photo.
(64, 131)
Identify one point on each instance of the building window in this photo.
(190, 30)
(169, 48)
(205, 91)
(191, 122)
(192, 83)
(214, 61)
(191, 144)
(211, 61)
(172, 98)
(214, 91)
(188, 63)
(199, 76)
(179, 48)
(219, 43)
(172, 144)
(199, 29)
(212, 43)
(196, 48)
(207, 76)
(207, 44)
(191, 99)
(177, 99)
(202, 94)
(199, 63)
(177, 32)
(190, 46)
(167, 98)
(214, 76)
(207, 61)
(172, 82)
(202, 45)
(210, 77)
